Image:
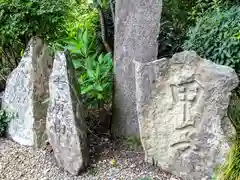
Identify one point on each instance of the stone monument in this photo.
(26, 90)
(65, 124)
(137, 26)
(182, 104)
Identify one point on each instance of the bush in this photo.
(177, 13)
(3, 122)
(81, 16)
(94, 69)
(174, 25)
(21, 19)
(96, 81)
(169, 40)
(216, 37)
(202, 7)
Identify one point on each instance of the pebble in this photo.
(19, 162)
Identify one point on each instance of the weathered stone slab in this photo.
(182, 104)
(137, 25)
(65, 122)
(26, 90)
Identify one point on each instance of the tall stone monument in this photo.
(65, 125)
(137, 26)
(26, 90)
(182, 104)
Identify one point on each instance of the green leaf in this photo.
(85, 41)
(70, 41)
(90, 73)
(79, 35)
(97, 71)
(77, 64)
(100, 58)
(90, 1)
(87, 89)
(100, 96)
(99, 87)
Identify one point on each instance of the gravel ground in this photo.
(23, 163)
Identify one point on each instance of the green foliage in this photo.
(3, 122)
(177, 13)
(81, 46)
(174, 25)
(215, 37)
(81, 16)
(231, 169)
(202, 7)
(178, 16)
(21, 19)
(96, 82)
(169, 41)
(94, 69)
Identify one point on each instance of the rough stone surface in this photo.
(181, 104)
(65, 122)
(137, 25)
(1, 96)
(26, 90)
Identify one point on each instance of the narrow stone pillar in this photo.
(137, 26)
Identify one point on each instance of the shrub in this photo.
(216, 37)
(21, 19)
(96, 81)
(178, 16)
(174, 25)
(202, 7)
(169, 40)
(81, 16)
(3, 122)
(177, 13)
(94, 69)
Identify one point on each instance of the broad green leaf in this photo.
(100, 96)
(77, 64)
(90, 73)
(85, 90)
(99, 87)
(70, 41)
(100, 58)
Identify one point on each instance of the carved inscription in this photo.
(186, 98)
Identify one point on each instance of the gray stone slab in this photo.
(65, 125)
(26, 90)
(137, 25)
(182, 104)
